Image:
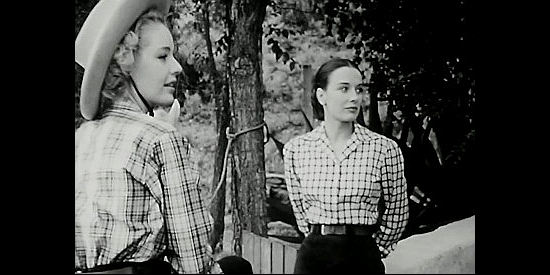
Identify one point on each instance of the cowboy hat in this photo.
(96, 42)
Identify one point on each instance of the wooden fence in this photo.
(269, 255)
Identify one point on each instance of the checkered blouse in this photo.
(136, 193)
(364, 185)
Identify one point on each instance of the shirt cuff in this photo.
(385, 251)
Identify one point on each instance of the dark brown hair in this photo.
(320, 80)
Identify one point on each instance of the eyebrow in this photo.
(347, 83)
(166, 48)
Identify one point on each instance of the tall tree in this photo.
(246, 91)
(221, 99)
(238, 93)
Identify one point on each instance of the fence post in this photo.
(277, 265)
(265, 264)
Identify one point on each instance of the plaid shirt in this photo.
(137, 194)
(364, 185)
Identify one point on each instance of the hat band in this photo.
(149, 109)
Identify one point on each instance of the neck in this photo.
(338, 131)
(139, 100)
(132, 95)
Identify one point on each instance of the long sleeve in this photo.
(395, 212)
(294, 188)
(186, 219)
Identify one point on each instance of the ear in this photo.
(321, 94)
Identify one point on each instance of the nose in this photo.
(354, 96)
(176, 68)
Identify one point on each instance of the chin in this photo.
(348, 119)
(166, 101)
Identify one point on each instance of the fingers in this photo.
(172, 116)
(174, 113)
(159, 113)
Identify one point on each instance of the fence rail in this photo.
(269, 255)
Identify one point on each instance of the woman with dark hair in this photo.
(346, 183)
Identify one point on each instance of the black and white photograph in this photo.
(275, 137)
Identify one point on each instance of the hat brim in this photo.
(96, 42)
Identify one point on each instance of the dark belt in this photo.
(148, 267)
(124, 270)
(342, 229)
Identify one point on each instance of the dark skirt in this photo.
(336, 254)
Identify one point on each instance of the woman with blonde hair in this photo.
(137, 199)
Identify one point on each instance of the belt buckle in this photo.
(332, 230)
(327, 230)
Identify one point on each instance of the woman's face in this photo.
(343, 95)
(155, 67)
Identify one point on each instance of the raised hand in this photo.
(172, 116)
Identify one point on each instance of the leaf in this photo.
(285, 57)
(292, 65)
(278, 53)
(285, 33)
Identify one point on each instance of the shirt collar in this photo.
(123, 105)
(360, 133)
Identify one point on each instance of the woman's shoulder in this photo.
(160, 131)
(141, 128)
(367, 135)
(303, 138)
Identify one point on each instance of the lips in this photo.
(170, 84)
(352, 108)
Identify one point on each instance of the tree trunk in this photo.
(374, 117)
(221, 98)
(246, 93)
(305, 98)
(217, 208)
(388, 123)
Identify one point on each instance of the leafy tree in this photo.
(418, 54)
(232, 66)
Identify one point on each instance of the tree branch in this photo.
(292, 8)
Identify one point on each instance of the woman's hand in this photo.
(172, 116)
(216, 269)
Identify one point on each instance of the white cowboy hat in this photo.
(96, 42)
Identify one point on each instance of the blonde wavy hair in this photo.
(117, 76)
